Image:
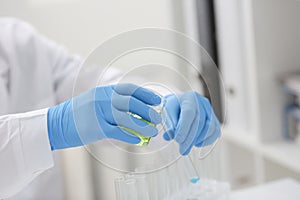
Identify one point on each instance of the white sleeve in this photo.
(25, 151)
(3, 87)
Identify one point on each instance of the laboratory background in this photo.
(255, 45)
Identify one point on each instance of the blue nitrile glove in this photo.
(98, 113)
(191, 121)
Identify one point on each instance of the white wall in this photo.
(277, 41)
(82, 24)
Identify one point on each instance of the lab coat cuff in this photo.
(35, 142)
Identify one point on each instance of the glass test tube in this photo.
(142, 187)
(145, 139)
(173, 185)
(131, 190)
(131, 187)
(120, 188)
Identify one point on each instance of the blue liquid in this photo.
(194, 180)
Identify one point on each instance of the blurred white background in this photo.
(82, 25)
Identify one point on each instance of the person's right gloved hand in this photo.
(98, 114)
(191, 121)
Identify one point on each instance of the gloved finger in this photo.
(124, 119)
(123, 135)
(184, 125)
(210, 140)
(188, 143)
(201, 126)
(172, 111)
(138, 92)
(207, 106)
(215, 125)
(189, 110)
(213, 129)
(208, 122)
(185, 152)
(169, 134)
(131, 104)
(206, 131)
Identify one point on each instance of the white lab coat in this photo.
(35, 73)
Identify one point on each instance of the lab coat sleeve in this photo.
(66, 75)
(3, 87)
(24, 145)
(25, 151)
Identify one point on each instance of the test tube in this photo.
(154, 186)
(120, 188)
(142, 187)
(131, 190)
(149, 177)
(163, 183)
(173, 185)
(145, 139)
(188, 172)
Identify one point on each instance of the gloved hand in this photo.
(98, 113)
(191, 121)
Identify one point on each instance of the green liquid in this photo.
(144, 139)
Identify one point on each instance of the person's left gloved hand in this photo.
(191, 121)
